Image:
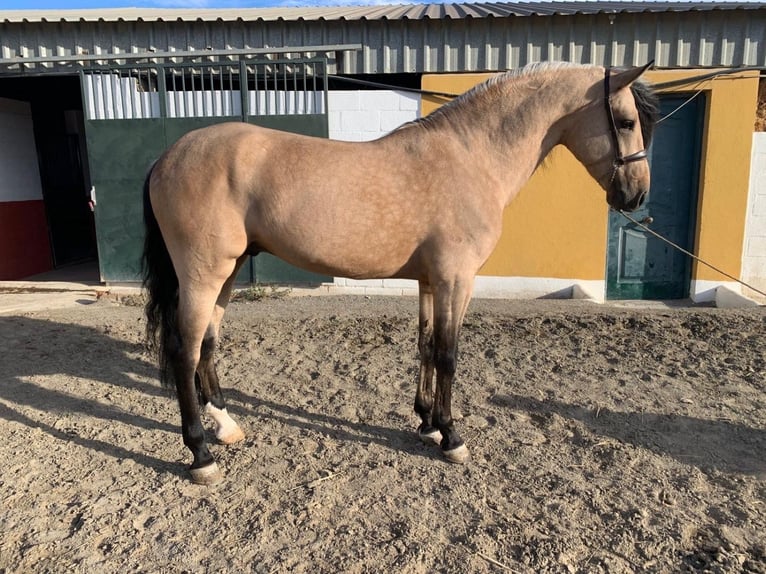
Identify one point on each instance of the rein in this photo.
(619, 159)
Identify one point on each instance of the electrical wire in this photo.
(657, 86)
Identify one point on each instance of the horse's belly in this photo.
(354, 255)
(347, 262)
(364, 230)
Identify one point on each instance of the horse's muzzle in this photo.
(622, 201)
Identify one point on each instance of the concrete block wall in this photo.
(754, 249)
(368, 115)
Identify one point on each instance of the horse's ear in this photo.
(620, 79)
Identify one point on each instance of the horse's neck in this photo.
(532, 124)
(518, 122)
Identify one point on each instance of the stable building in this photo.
(89, 98)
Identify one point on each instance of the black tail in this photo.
(161, 285)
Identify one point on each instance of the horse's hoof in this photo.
(234, 435)
(430, 436)
(457, 455)
(206, 475)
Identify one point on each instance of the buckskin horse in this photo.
(424, 202)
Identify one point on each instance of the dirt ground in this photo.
(603, 439)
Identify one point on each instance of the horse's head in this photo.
(610, 137)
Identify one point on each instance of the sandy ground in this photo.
(604, 439)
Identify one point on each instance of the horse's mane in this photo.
(648, 106)
(646, 100)
(432, 119)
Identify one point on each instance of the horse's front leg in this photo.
(450, 304)
(424, 397)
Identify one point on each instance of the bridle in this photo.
(619, 159)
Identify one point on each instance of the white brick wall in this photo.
(368, 115)
(754, 252)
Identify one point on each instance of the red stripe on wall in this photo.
(24, 245)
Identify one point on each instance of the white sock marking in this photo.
(224, 424)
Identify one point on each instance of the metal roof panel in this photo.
(403, 38)
(377, 12)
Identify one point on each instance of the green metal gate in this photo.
(640, 266)
(133, 113)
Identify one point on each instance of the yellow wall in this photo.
(557, 226)
(725, 168)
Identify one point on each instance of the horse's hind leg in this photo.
(196, 302)
(424, 397)
(211, 398)
(227, 431)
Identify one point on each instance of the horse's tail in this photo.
(161, 285)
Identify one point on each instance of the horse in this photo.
(423, 202)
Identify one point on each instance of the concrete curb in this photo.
(32, 296)
(585, 294)
(725, 298)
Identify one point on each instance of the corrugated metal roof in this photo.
(379, 12)
(421, 38)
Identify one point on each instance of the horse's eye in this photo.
(628, 124)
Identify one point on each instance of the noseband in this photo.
(619, 159)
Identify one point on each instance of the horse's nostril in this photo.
(639, 199)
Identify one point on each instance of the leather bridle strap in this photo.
(619, 159)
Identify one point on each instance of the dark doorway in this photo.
(56, 103)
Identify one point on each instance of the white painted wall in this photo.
(19, 172)
(754, 249)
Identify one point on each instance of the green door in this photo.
(120, 151)
(134, 113)
(639, 265)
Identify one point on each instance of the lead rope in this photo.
(692, 255)
(666, 116)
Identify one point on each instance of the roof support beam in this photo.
(110, 57)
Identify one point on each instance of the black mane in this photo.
(648, 106)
